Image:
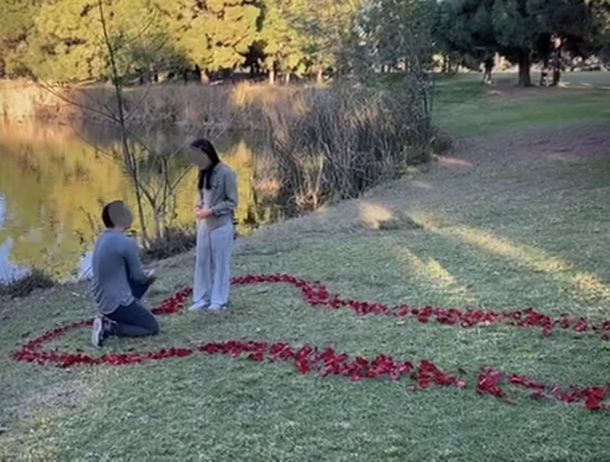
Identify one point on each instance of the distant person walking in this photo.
(119, 281)
(215, 210)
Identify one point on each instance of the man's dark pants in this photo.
(134, 320)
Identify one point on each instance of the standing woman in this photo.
(215, 209)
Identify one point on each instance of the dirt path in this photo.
(573, 143)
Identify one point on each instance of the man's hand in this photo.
(151, 277)
(202, 213)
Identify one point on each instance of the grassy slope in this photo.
(528, 234)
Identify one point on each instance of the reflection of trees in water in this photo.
(49, 189)
(55, 184)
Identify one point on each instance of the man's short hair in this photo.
(106, 217)
(117, 213)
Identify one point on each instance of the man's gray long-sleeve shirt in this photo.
(115, 261)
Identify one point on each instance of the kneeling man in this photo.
(119, 281)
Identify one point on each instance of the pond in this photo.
(55, 179)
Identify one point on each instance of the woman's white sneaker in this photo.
(198, 307)
(216, 308)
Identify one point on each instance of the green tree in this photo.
(517, 32)
(464, 31)
(213, 35)
(397, 34)
(602, 7)
(575, 27)
(68, 45)
(16, 25)
(327, 26)
(283, 45)
(524, 31)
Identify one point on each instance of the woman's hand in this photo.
(202, 213)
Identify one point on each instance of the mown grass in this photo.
(465, 107)
(532, 234)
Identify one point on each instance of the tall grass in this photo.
(175, 241)
(35, 279)
(168, 103)
(22, 100)
(335, 143)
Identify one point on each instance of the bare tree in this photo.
(155, 174)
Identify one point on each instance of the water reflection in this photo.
(54, 181)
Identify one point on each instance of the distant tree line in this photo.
(60, 40)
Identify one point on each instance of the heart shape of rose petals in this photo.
(307, 358)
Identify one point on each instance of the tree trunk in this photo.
(204, 78)
(157, 222)
(287, 78)
(272, 75)
(525, 63)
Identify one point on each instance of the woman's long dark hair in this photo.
(205, 175)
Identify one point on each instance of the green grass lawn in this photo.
(465, 107)
(502, 237)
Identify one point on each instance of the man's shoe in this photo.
(97, 333)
